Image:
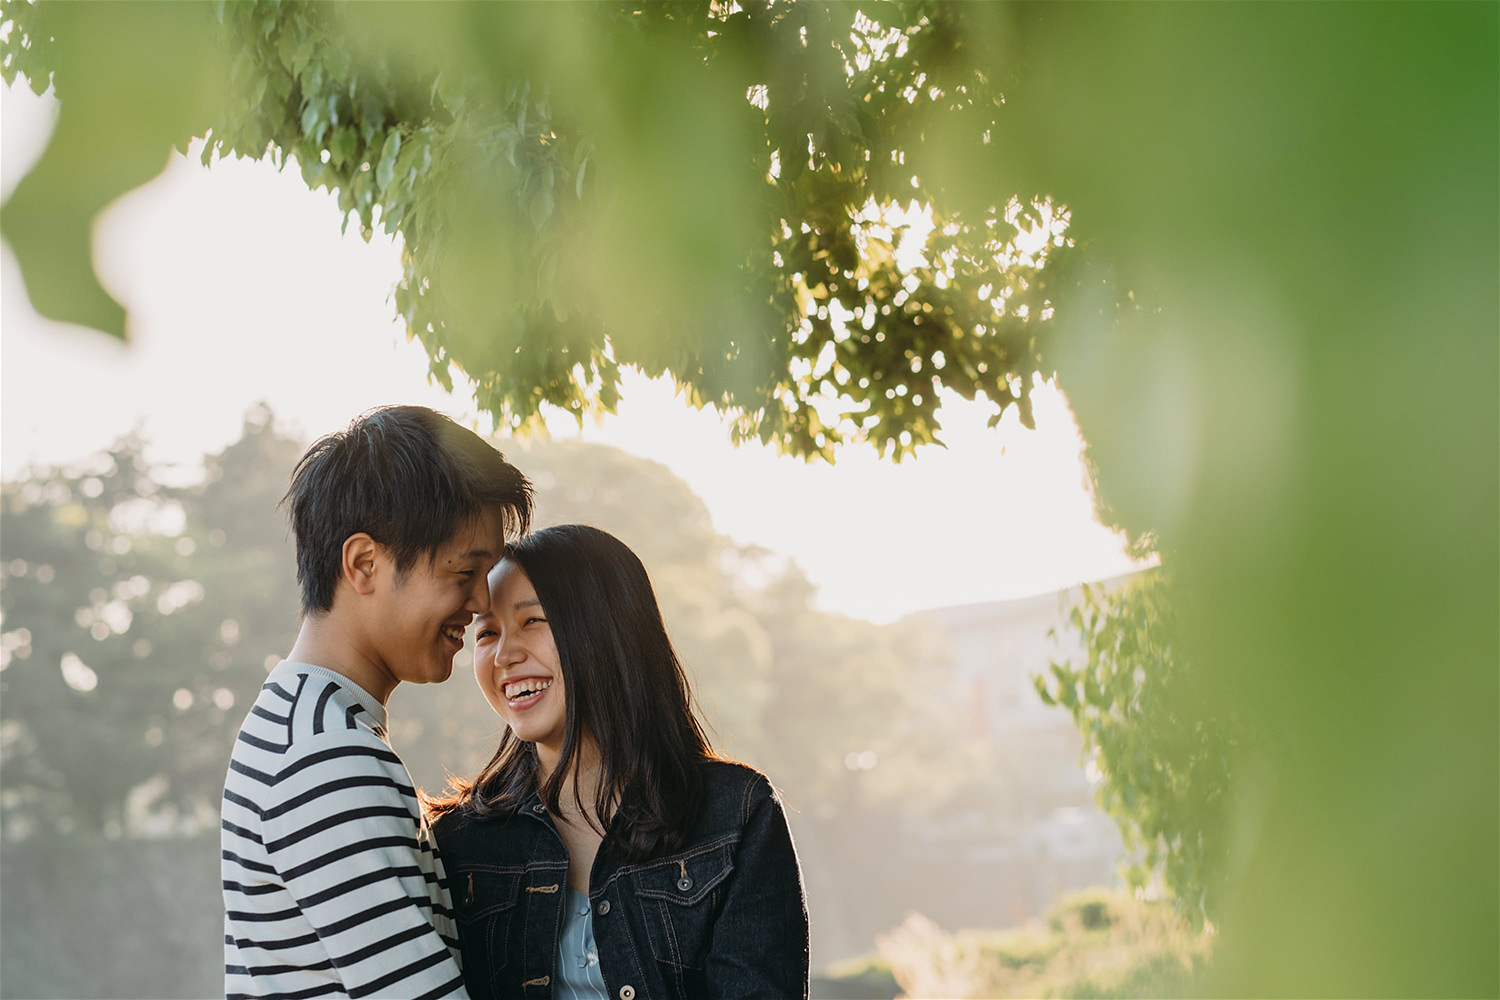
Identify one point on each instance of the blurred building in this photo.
(996, 648)
(1031, 834)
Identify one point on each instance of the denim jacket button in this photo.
(627, 992)
(684, 883)
(603, 912)
(538, 808)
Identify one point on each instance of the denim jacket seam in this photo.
(692, 852)
(716, 844)
(753, 789)
(489, 869)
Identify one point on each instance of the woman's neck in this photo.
(577, 820)
(581, 785)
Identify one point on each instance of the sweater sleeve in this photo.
(343, 829)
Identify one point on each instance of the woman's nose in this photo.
(509, 651)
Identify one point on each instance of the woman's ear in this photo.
(360, 563)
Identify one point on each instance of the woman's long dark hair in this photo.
(624, 686)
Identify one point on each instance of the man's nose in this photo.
(479, 597)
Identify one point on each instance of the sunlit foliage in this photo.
(793, 209)
(1161, 754)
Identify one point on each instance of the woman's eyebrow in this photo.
(528, 603)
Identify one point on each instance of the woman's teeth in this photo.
(520, 689)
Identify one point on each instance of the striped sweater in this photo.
(332, 883)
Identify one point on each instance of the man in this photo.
(332, 886)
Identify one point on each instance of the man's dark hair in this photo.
(408, 477)
(624, 686)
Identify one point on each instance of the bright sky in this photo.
(240, 288)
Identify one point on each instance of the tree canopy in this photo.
(718, 191)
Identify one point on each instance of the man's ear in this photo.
(360, 563)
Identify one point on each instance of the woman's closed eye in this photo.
(484, 633)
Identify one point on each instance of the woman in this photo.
(605, 851)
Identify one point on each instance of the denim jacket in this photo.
(723, 917)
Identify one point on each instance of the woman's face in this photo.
(516, 662)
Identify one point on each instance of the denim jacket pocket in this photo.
(679, 898)
(483, 902)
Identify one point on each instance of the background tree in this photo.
(782, 685)
(139, 620)
(1162, 755)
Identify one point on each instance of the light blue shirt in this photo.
(578, 973)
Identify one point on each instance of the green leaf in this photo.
(339, 62)
(117, 86)
(312, 172)
(386, 169)
(342, 147)
(286, 51)
(311, 114)
(302, 56)
(541, 207)
(449, 90)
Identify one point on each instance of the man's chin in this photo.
(435, 674)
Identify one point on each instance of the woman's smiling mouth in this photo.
(526, 692)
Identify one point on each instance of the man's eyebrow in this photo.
(478, 554)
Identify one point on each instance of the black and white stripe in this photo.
(332, 883)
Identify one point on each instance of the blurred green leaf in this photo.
(1290, 211)
(385, 171)
(118, 96)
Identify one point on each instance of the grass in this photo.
(1101, 943)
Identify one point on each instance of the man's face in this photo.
(419, 618)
